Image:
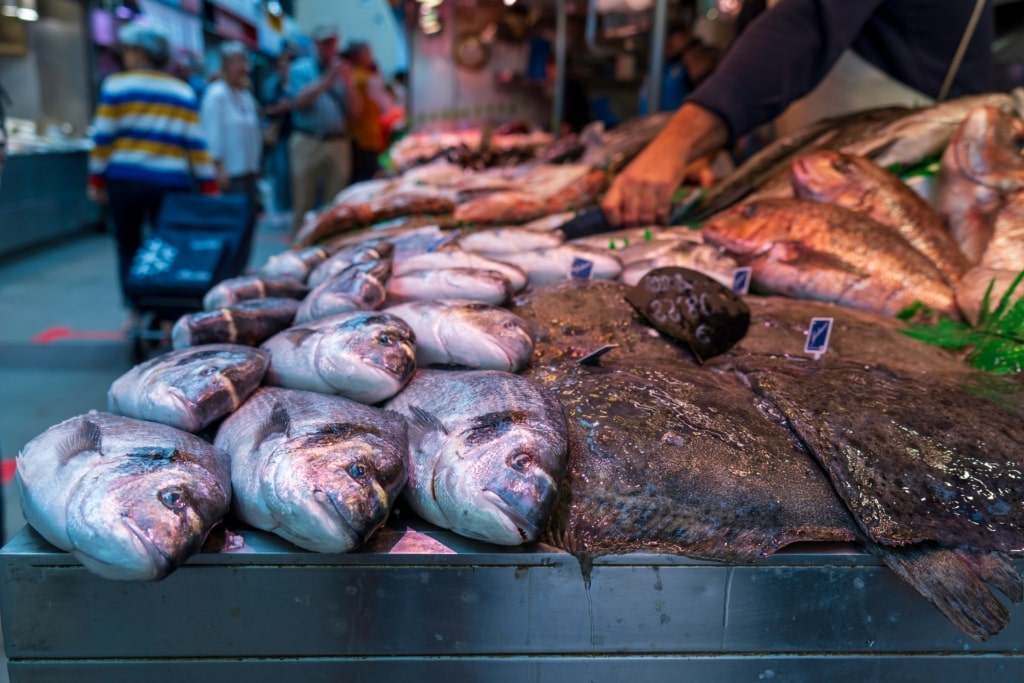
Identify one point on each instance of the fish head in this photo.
(333, 487)
(499, 479)
(828, 176)
(987, 148)
(140, 518)
(496, 334)
(738, 230)
(368, 357)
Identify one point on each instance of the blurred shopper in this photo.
(370, 104)
(675, 85)
(231, 124)
(147, 140)
(319, 150)
(575, 105)
(277, 108)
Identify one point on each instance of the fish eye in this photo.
(748, 211)
(520, 461)
(172, 498)
(357, 470)
(385, 339)
(841, 165)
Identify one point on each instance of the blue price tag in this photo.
(741, 280)
(817, 336)
(581, 269)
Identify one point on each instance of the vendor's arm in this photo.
(781, 57)
(307, 86)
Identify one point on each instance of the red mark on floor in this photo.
(7, 468)
(61, 333)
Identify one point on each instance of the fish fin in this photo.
(297, 335)
(277, 423)
(86, 438)
(996, 569)
(593, 358)
(422, 423)
(950, 583)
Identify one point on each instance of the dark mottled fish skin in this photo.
(360, 287)
(917, 460)
(486, 452)
(189, 388)
(979, 168)
(294, 264)
(320, 471)
(131, 500)
(818, 251)
(672, 458)
(367, 356)
(860, 185)
(247, 287)
(249, 323)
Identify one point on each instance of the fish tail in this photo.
(955, 583)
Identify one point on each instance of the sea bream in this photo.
(293, 264)
(320, 471)
(247, 287)
(860, 185)
(818, 251)
(543, 266)
(467, 333)
(373, 249)
(190, 388)
(475, 284)
(360, 287)
(456, 258)
(494, 242)
(367, 356)
(131, 500)
(249, 323)
(486, 452)
(703, 258)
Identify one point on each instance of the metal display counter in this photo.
(422, 604)
(43, 198)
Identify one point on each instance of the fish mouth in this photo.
(344, 525)
(400, 363)
(159, 559)
(801, 169)
(510, 514)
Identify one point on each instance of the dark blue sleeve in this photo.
(780, 58)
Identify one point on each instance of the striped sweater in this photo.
(147, 130)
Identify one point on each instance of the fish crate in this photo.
(423, 604)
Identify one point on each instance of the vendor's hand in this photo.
(642, 194)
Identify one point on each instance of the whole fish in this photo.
(577, 187)
(550, 222)
(320, 471)
(824, 252)
(366, 356)
(568, 260)
(360, 287)
(249, 323)
(403, 201)
(487, 450)
(970, 291)
(405, 241)
(497, 241)
(456, 258)
(925, 133)
(486, 286)
(293, 264)
(622, 239)
(467, 333)
(700, 257)
(373, 249)
(190, 388)
(979, 168)
(131, 500)
(860, 185)
(917, 460)
(247, 287)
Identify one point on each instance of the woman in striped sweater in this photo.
(147, 140)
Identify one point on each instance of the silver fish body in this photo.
(360, 287)
(487, 286)
(467, 333)
(365, 356)
(320, 471)
(131, 500)
(487, 450)
(700, 257)
(189, 388)
(456, 258)
(293, 264)
(369, 250)
(247, 287)
(543, 266)
(493, 242)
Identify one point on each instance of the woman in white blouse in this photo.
(231, 124)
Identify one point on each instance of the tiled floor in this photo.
(62, 341)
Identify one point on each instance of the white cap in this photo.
(152, 39)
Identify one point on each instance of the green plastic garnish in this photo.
(995, 344)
